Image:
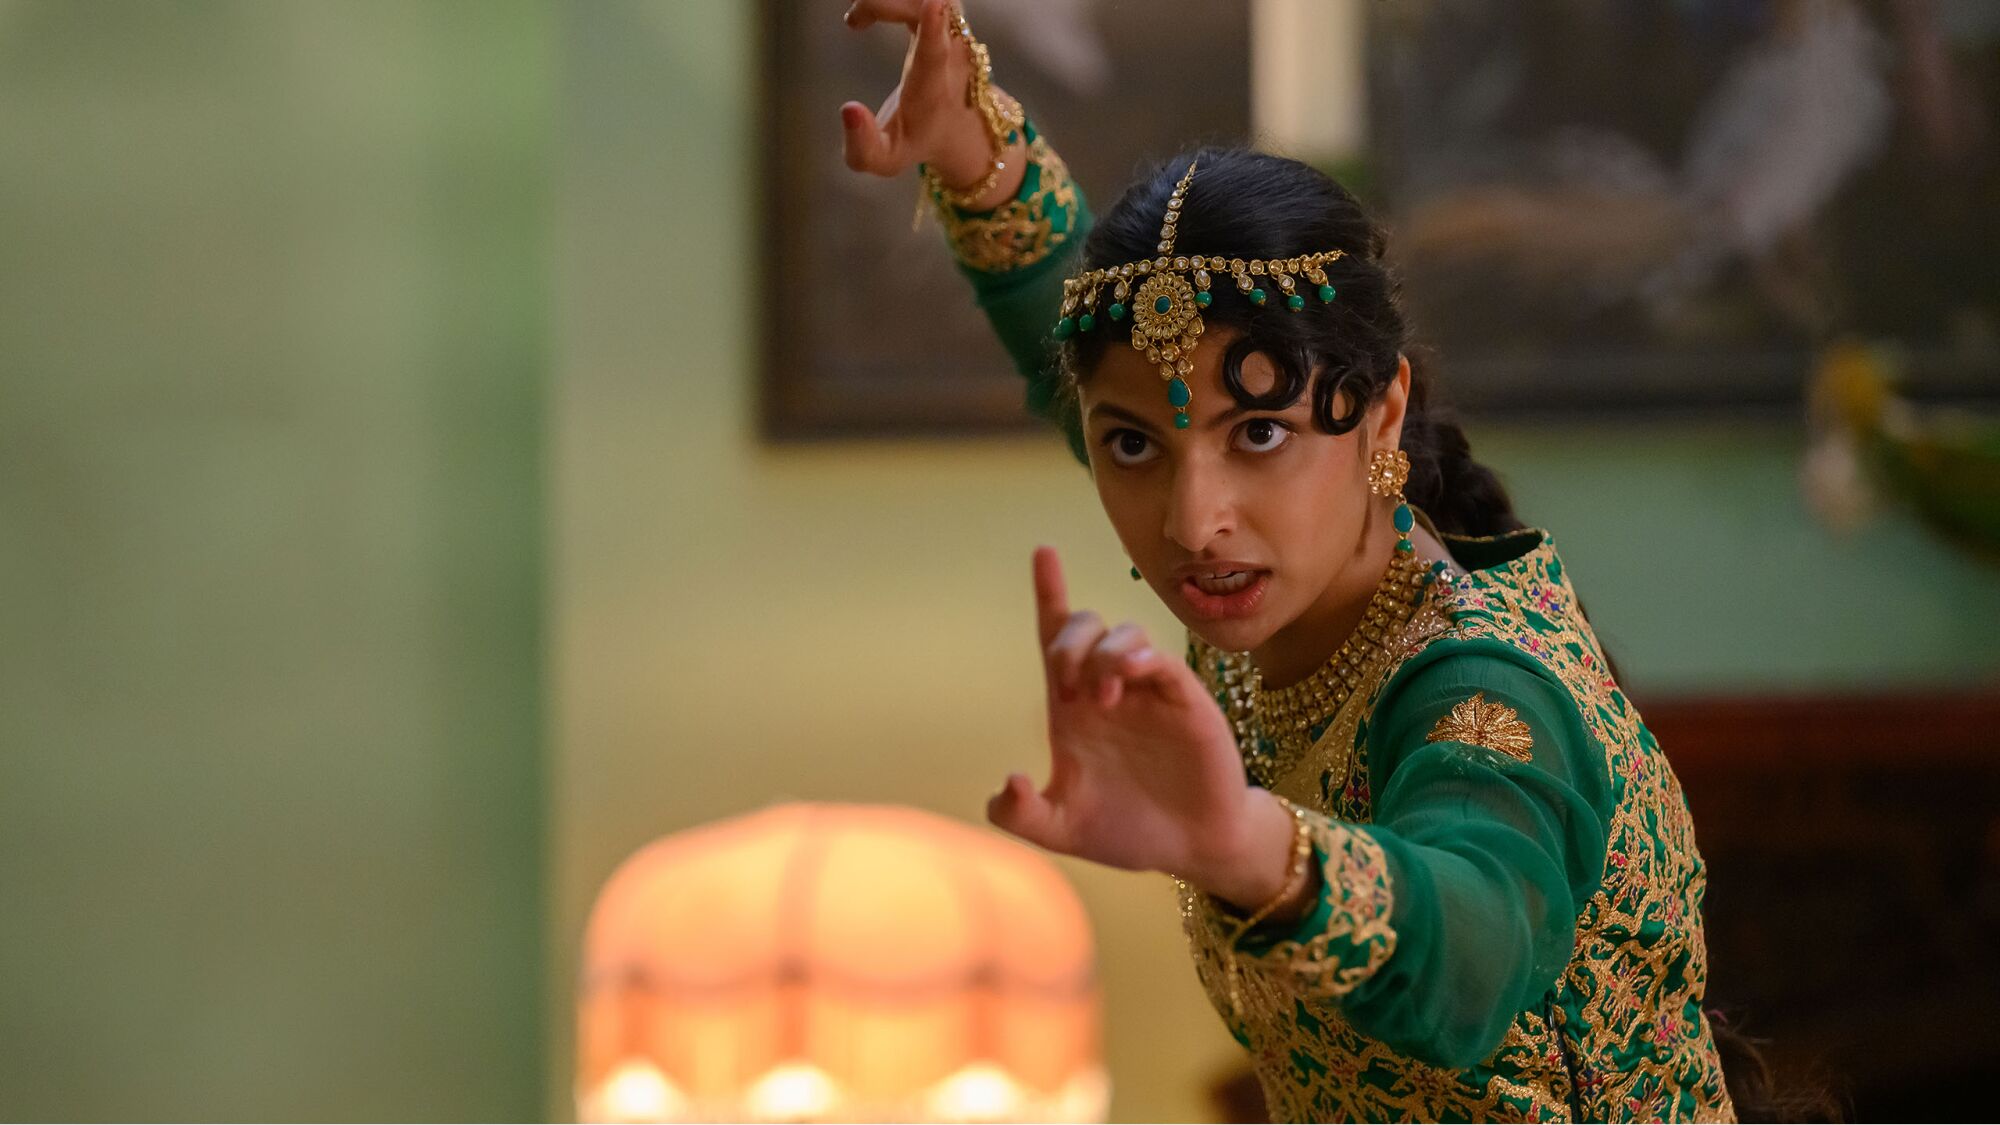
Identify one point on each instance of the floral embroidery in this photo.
(1492, 725)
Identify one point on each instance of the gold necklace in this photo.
(1274, 728)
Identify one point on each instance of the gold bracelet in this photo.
(1022, 230)
(1302, 847)
(1295, 880)
(1001, 124)
(979, 90)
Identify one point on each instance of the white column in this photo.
(1308, 91)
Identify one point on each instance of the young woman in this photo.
(1432, 866)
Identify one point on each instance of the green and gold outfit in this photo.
(1509, 920)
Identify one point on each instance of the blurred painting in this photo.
(868, 328)
(1660, 205)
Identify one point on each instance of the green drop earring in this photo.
(1388, 469)
(1135, 574)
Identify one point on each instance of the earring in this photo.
(1388, 469)
(1135, 574)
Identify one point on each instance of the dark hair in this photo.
(1248, 204)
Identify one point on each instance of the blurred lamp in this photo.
(838, 962)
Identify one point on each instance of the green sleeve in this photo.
(1455, 910)
(1016, 256)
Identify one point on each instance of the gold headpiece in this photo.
(1173, 289)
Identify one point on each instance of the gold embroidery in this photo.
(1357, 937)
(1020, 232)
(1492, 725)
(1626, 1018)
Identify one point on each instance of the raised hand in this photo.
(926, 117)
(1145, 774)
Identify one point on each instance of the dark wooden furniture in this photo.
(1853, 850)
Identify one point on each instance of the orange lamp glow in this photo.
(839, 962)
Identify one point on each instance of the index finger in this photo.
(1051, 597)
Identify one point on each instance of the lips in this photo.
(1224, 591)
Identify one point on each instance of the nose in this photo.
(1201, 507)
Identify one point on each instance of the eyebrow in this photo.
(1108, 410)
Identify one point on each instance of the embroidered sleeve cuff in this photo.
(1025, 230)
(1346, 936)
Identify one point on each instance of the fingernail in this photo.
(1138, 655)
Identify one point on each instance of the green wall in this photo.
(271, 336)
(1691, 545)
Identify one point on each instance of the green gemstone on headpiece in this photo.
(1256, 295)
(1202, 298)
(1295, 302)
(1177, 392)
(1086, 322)
(1326, 292)
(1404, 520)
(1064, 327)
(1162, 304)
(1117, 311)
(1181, 421)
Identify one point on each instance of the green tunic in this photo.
(1509, 922)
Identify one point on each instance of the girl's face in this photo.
(1246, 522)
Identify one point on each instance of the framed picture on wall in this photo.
(1627, 210)
(868, 328)
(1662, 206)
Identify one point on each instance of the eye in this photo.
(1129, 447)
(1262, 435)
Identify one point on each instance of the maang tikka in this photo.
(1173, 289)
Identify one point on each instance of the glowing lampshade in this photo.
(837, 962)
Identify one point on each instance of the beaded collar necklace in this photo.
(1275, 727)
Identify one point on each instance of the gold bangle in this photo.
(979, 89)
(1294, 880)
(1022, 230)
(965, 200)
(1001, 123)
(1302, 847)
